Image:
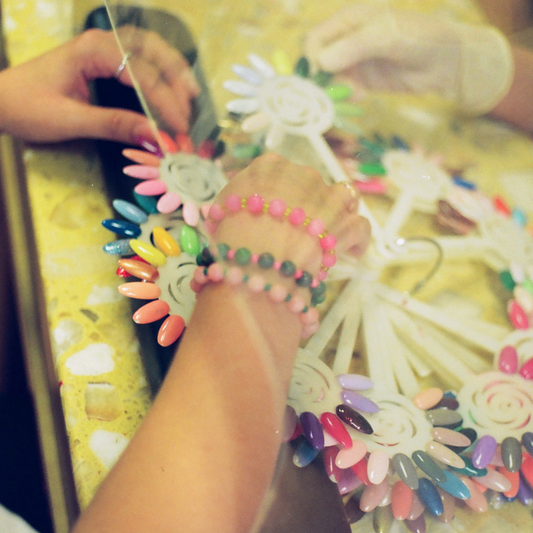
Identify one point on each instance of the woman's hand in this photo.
(47, 99)
(381, 48)
(274, 177)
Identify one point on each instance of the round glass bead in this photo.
(319, 290)
(255, 203)
(297, 216)
(242, 256)
(287, 269)
(223, 250)
(277, 208)
(304, 280)
(233, 203)
(315, 227)
(266, 260)
(328, 260)
(328, 242)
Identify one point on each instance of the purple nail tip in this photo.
(484, 451)
(525, 494)
(312, 429)
(359, 402)
(354, 382)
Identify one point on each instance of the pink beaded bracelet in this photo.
(277, 208)
(277, 293)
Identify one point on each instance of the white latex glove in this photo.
(398, 50)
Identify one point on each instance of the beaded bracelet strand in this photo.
(277, 293)
(243, 257)
(277, 208)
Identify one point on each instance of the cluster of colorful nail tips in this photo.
(159, 239)
(517, 280)
(283, 101)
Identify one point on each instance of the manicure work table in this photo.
(86, 371)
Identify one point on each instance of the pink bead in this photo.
(328, 243)
(216, 212)
(298, 274)
(233, 203)
(297, 216)
(234, 276)
(199, 275)
(310, 317)
(309, 330)
(276, 265)
(195, 286)
(328, 260)
(277, 293)
(314, 283)
(215, 272)
(210, 226)
(255, 203)
(315, 227)
(296, 304)
(230, 254)
(256, 283)
(277, 208)
(254, 259)
(322, 275)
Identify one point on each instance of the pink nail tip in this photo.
(508, 360)
(169, 202)
(151, 188)
(526, 370)
(517, 315)
(143, 172)
(378, 466)
(191, 213)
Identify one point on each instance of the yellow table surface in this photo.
(103, 386)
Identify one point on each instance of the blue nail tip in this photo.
(430, 497)
(305, 453)
(148, 203)
(454, 486)
(119, 247)
(122, 228)
(130, 211)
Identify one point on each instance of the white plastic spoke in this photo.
(379, 340)
(405, 376)
(347, 340)
(334, 317)
(414, 332)
(439, 318)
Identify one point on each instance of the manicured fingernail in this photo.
(149, 145)
(151, 312)
(140, 290)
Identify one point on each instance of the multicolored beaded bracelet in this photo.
(277, 293)
(243, 257)
(277, 208)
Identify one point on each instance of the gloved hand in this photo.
(399, 50)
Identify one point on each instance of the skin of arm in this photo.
(516, 107)
(205, 455)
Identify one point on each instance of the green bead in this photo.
(266, 260)
(245, 278)
(319, 290)
(287, 269)
(338, 91)
(348, 109)
(315, 300)
(372, 169)
(245, 151)
(322, 78)
(243, 256)
(223, 250)
(268, 286)
(189, 241)
(288, 297)
(302, 68)
(305, 309)
(304, 280)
